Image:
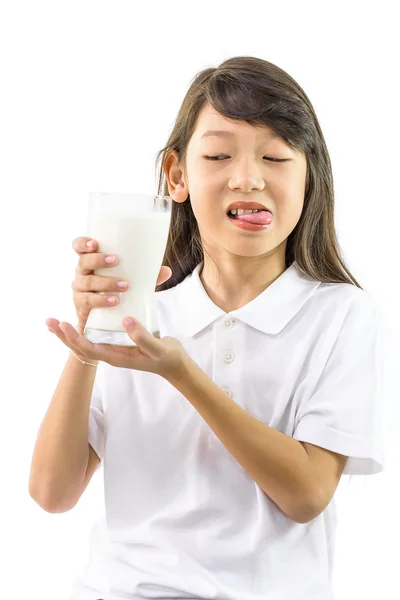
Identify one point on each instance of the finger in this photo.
(80, 247)
(94, 260)
(53, 327)
(77, 341)
(60, 330)
(114, 355)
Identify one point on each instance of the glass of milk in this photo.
(135, 227)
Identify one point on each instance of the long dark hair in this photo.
(258, 92)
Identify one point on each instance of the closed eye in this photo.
(266, 157)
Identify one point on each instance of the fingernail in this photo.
(89, 244)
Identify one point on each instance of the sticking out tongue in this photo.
(264, 217)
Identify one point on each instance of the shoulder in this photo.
(345, 311)
(353, 303)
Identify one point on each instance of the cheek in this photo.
(205, 215)
(289, 216)
(207, 205)
(209, 219)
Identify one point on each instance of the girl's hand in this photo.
(92, 290)
(165, 357)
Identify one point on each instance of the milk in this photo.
(139, 241)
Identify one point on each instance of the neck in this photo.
(231, 284)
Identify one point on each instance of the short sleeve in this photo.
(344, 414)
(96, 414)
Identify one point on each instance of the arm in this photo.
(275, 461)
(61, 453)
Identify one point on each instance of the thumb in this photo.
(139, 334)
(164, 274)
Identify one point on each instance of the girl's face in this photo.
(241, 173)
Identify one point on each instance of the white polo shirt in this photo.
(183, 518)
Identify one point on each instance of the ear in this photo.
(174, 173)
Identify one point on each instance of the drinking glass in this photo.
(135, 227)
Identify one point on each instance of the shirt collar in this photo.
(269, 312)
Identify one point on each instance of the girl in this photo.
(224, 441)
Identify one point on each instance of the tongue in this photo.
(263, 217)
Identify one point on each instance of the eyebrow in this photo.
(217, 133)
(226, 133)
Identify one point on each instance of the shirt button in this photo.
(229, 357)
(228, 323)
(227, 391)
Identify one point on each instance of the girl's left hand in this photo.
(165, 357)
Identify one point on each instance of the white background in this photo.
(89, 94)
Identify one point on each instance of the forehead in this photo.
(210, 121)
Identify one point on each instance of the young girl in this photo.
(224, 441)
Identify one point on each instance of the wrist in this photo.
(80, 329)
(84, 360)
(183, 371)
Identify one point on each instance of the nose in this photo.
(246, 178)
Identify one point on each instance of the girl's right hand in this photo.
(86, 284)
